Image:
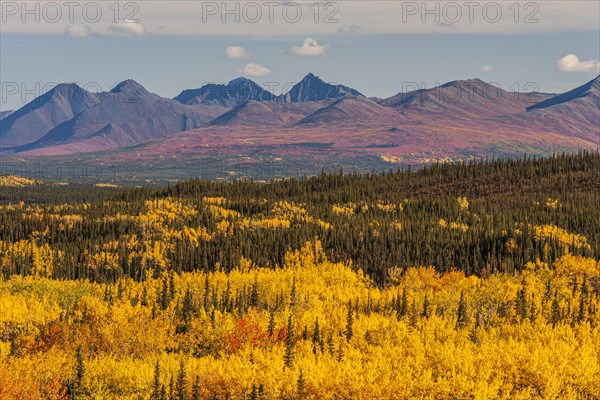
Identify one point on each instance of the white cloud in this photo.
(348, 29)
(236, 52)
(572, 63)
(310, 47)
(252, 69)
(486, 68)
(128, 27)
(78, 30)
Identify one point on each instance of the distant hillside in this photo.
(582, 102)
(353, 110)
(253, 113)
(471, 98)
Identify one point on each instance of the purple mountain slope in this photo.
(253, 113)
(44, 113)
(353, 110)
(471, 98)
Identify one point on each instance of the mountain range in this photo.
(459, 119)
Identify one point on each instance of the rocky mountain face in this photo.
(236, 92)
(313, 88)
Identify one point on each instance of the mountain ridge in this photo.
(467, 114)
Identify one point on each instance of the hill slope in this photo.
(253, 113)
(471, 98)
(352, 110)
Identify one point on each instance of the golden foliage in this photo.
(397, 349)
(16, 181)
(563, 236)
(463, 203)
(344, 209)
(570, 265)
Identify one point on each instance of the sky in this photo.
(377, 47)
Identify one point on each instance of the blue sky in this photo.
(378, 61)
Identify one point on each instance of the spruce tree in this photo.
(227, 303)
(196, 392)
(144, 300)
(462, 317)
(349, 322)
(164, 296)
(181, 384)
(288, 358)
(172, 287)
(330, 344)
(425, 312)
(206, 292)
(522, 307)
(120, 289)
(254, 293)
(403, 304)
(156, 386)
(301, 385)
(78, 385)
(556, 315)
(317, 339)
(293, 294)
(271, 328)
(187, 309)
(340, 354)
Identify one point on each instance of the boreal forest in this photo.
(474, 280)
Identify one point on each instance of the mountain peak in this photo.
(466, 83)
(313, 88)
(311, 77)
(236, 92)
(66, 86)
(240, 80)
(68, 90)
(129, 86)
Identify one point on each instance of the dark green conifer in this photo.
(288, 358)
(349, 322)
